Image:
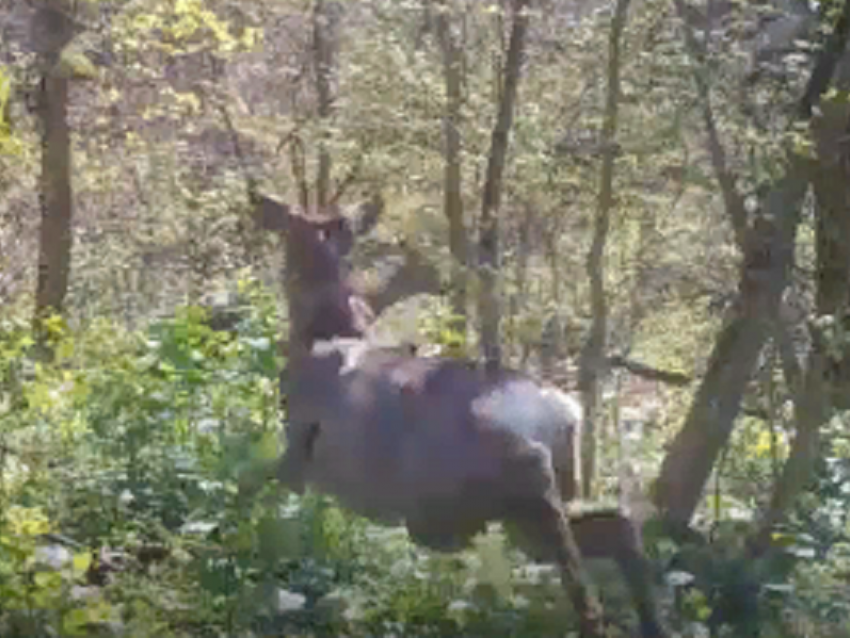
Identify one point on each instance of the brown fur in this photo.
(432, 443)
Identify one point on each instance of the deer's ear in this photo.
(269, 214)
(366, 215)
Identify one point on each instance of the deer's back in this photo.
(397, 432)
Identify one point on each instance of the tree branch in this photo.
(648, 372)
(732, 199)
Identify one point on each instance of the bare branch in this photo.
(648, 372)
(732, 199)
(251, 185)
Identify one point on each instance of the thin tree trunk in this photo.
(488, 256)
(54, 31)
(551, 334)
(587, 605)
(325, 21)
(810, 412)
(56, 197)
(593, 355)
(452, 54)
(520, 296)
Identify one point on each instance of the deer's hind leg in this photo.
(610, 534)
(535, 508)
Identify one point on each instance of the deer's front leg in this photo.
(300, 440)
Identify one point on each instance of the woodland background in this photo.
(660, 222)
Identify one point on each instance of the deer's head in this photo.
(322, 301)
(317, 241)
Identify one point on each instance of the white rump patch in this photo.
(529, 409)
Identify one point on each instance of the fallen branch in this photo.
(648, 372)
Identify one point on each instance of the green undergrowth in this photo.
(135, 501)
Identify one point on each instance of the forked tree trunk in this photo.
(593, 355)
(452, 53)
(768, 256)
(51, 32)
(488, 251)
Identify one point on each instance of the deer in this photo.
(436, 444)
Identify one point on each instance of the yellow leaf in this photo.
(82, 561)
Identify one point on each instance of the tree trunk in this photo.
(488, 257)
(593, 355)
(51, 32)
(768, 254)
(325, 22)
(520, 296)
(812, 405)
(763, 278)
(452, 54)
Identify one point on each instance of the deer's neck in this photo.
(319, 312)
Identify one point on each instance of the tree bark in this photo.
(488, 251)
(592, 365)
(452, 54)
(52, 30)
(325, 22)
